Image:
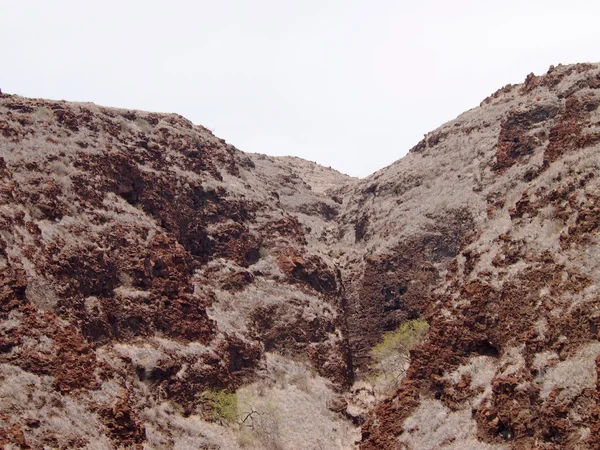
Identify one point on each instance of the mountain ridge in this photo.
(145, 251)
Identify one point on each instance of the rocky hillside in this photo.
(162, 289)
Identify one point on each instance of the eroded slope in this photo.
(148, 265)
(488, 229)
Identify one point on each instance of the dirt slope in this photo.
(152, 274)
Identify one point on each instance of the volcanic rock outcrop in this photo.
(161, 289)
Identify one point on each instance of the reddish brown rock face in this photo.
(310, 271)
(145, 262)
(396, 287)
(509, 301)
(122, 424)
(120, 230)
(518, 137)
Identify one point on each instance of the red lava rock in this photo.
(282, 329)
(238, 281)
(71, 361)
(120, 234)
(430, 140)
(325, 210)
(361, 228)
(7, 131)
(516, 141)
(553, 77)
(232, 362)
(490, 319)
(233, 241)
(184, 318)
(288, 228)
(394, 288)
(19, 437)
(122, 424)
(67, 118)
(312, 271)
(567, 135)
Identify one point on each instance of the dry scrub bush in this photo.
(259, 425)
(289, 410)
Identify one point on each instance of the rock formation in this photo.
(161, 289)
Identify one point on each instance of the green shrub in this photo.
(390, 357)
(223, 405)
(403, 339)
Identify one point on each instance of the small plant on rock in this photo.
(222, 405)
(404, 338)
(391, 355)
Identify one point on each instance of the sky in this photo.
(348, 84)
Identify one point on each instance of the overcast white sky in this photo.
(349, 84)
